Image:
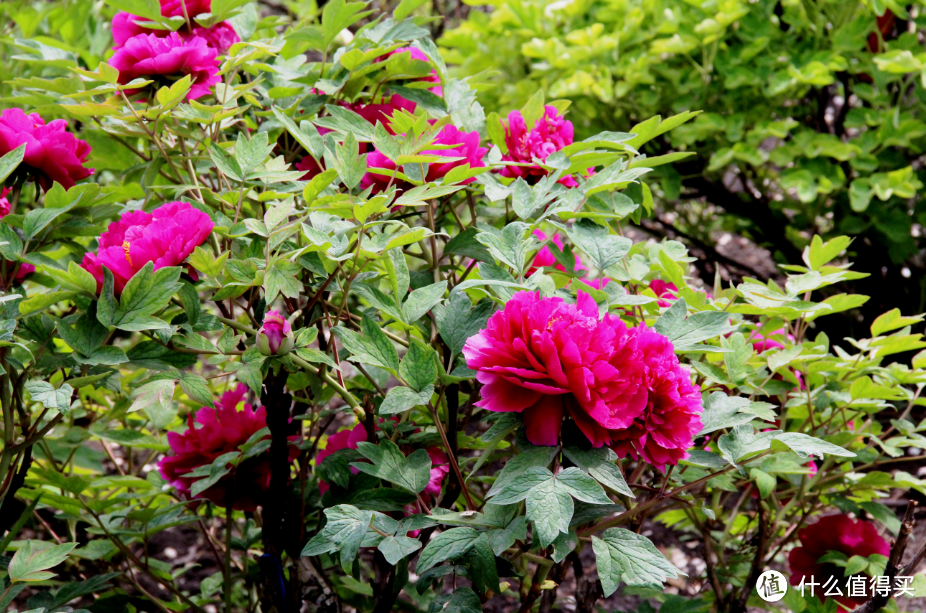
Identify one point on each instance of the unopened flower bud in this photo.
(275, 336)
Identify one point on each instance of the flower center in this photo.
(128, 256)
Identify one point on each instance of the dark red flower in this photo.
(221, 430)
(834, 533)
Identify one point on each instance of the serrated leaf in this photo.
(622, 555)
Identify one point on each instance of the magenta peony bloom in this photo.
(221, 430)
(185, 8)
(664, 431)
(25, 269)
(167, 59)
(666, 292)
(166, 236)
(4, 203)
(466, 147)
(52, 153)
(440, 468)
(275, 336)
(835, 533)
(550, 134)
(345, 439)
(544, 358)
(220, 36)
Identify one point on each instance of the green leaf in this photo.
(805, 445)
(388, 463)
(465, 244)
(457, 320)
(10, 161)
(344, 531)
(892, 320)
(34, 558)
(251, 153)
(394, 548)
(149, 9)
(722, 411)
(448, 545)
(37, 220)
(603, 248)
(338, 15)
(373, 347)
(225, 163)
(146, 293)
(508, 245)
(51, 398)
(742, 441)
(687, 333)
(197, 389)
(400, 399)
(599, 463)
(481, 564)
(422, 300)
(623, 555)
(76, 278)
(520, 463)
(463, 600)
(282, 278)
(419, 366)
(154, 395)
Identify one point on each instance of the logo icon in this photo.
(772, 586)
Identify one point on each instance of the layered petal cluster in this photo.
(52, 153)
(166, 236)
(463, 146)
(166, 59)
(672, 417)
(835, 533)
(210, 433)
(551, 133)
(666, 292)
(624, 387)
(220, 37)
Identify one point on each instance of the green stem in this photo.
(228, 536)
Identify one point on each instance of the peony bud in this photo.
(275, 336)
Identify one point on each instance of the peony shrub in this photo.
(291, 322)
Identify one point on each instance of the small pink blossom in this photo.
(465, 146)
(550, 134)
(382, 112)
(52, 153)
(166, 59)
(211, 433)
(666, 292)
(166, 236)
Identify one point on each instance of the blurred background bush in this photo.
(812, 119)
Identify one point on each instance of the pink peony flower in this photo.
(544, 358)
(835, 533)
(221, 430)
(666, 292)
(52, 153)
(466, 146)
(167, 59)
(166, 236)
(220, 36)
(275, 336)
(4, 203)
(550, 134)
(665, 429)
(345, 439)
(440, 468)
(25, 269)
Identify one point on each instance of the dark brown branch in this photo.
(880, 599)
